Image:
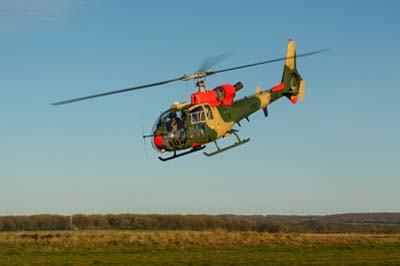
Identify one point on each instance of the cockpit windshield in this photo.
(176, 128)
(172, 120)
(172, 126)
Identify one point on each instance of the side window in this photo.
(209, 113)
(197, 115)
(197, 130)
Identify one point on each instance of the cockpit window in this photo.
(197, 115)
(175, 120)
(208, 112)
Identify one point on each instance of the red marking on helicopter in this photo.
(205, 97)
(229, 94)
(158, 141)
(294, 99)
(197, 144)
(278, 87)
(223, 94)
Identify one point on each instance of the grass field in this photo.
(196, 248)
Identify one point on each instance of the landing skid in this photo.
(219, 150)
(181, 154)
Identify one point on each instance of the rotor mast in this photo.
(200, 80)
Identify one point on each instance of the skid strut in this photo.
(219, 150)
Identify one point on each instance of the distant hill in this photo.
(377, 217)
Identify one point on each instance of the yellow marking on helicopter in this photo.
(301, 90)
(218, 124)
(264, 97)
(290, 55)
(179, 106)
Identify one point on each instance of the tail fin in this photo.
(293, 84)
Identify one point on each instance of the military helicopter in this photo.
(211, 114)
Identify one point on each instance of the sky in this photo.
(336, 152)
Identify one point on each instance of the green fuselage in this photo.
(200, 124)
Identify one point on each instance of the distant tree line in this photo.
(272, 224)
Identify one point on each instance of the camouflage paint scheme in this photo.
(225, 116)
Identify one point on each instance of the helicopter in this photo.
(211, 114)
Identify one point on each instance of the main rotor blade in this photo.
(117, 91)
(185, 77)
(264, 62)
(211, 61)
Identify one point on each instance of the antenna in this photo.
(144, 137)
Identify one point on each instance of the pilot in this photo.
(174, 124)
(171, 117)
(175, 121)
(175, 132)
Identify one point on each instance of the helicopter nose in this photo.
(158, 141)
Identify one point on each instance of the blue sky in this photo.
(336, 152)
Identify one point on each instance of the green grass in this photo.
(196, 248)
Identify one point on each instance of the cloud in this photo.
(27, 15)
(35, 5)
